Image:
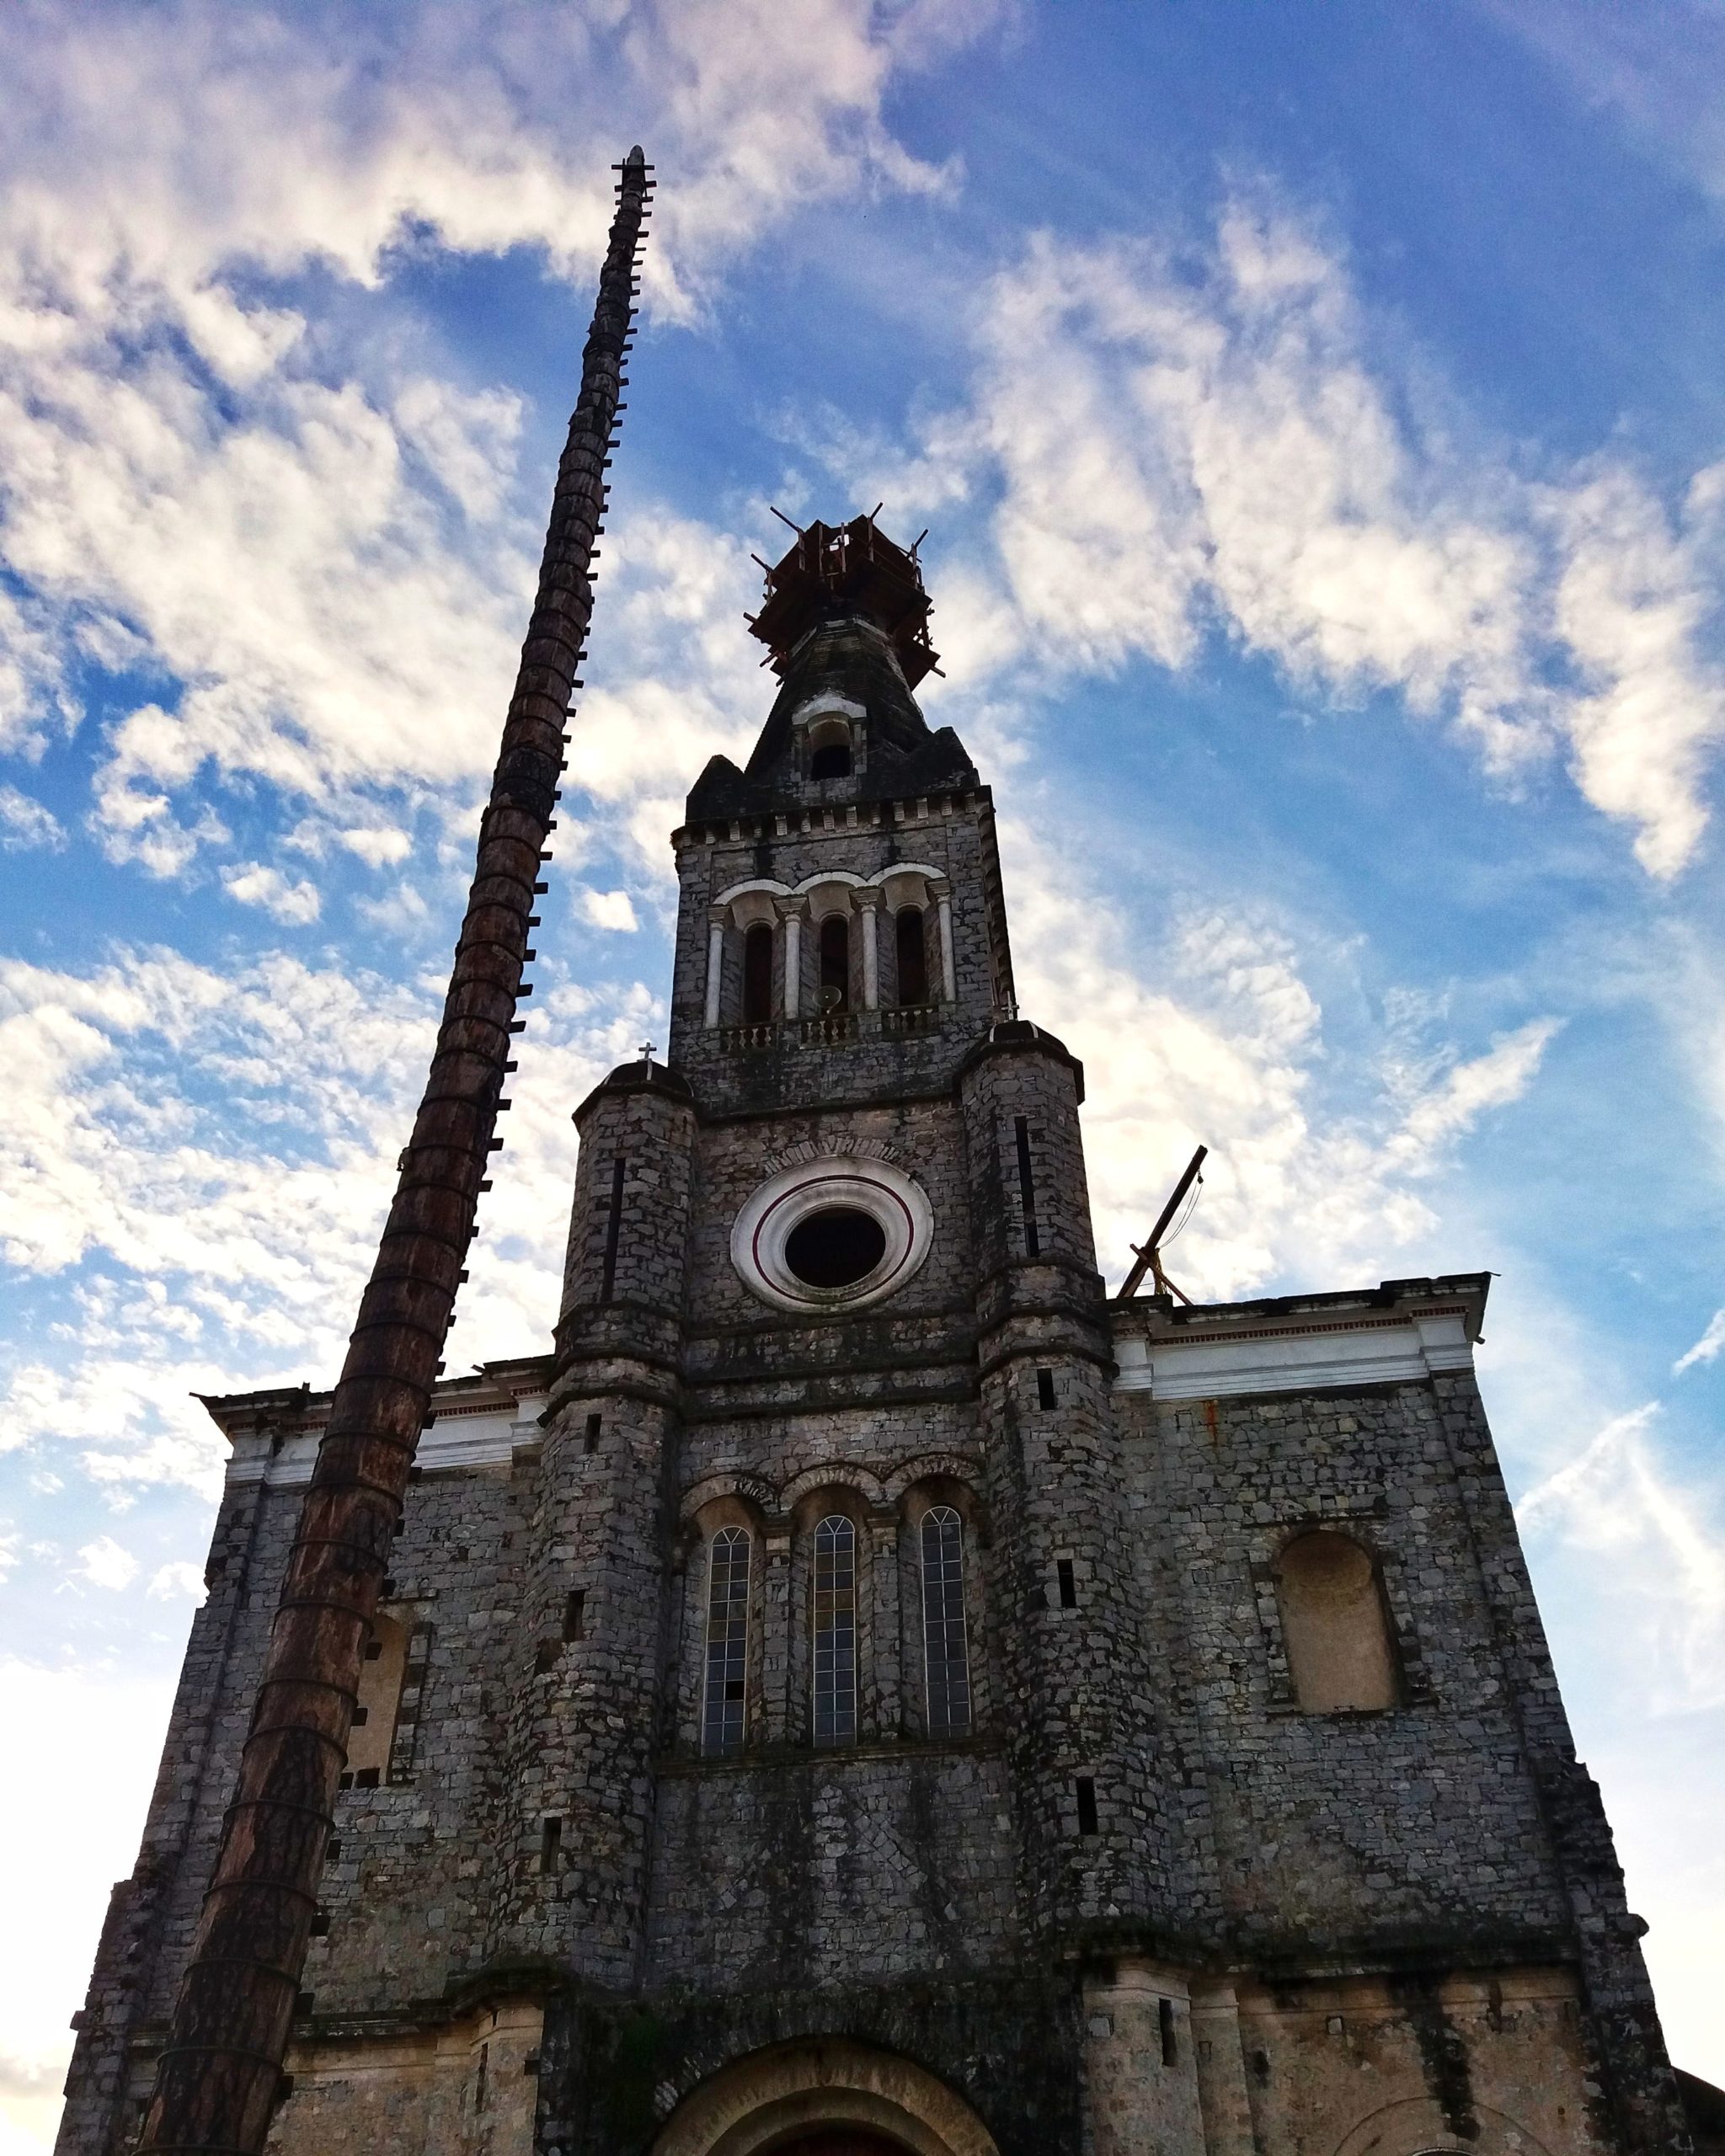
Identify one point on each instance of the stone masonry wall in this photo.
(1343, 1833)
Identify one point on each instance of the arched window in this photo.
(946, 1653)
(1336, 1628)
(912, 954)
(835, 1631)
(757, 974)
(836, 962)
(722, 1720)
(829, 750)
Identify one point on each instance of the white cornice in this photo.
(455, 1444)
(1397, 1348)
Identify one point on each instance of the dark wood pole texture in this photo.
(219, 2077)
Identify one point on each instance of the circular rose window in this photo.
(832, 1234)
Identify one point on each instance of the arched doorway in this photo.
(840, 2140)
(828, 2095)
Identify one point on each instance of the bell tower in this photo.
(842, 933)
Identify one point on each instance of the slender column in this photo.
(880, 1710)
(777, 1659)
(715, 963)
(942, 892)
(219, 2077)
(868, 906)
(791, 912)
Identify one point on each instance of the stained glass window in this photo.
(946, 1652)
(835, 1631)
(727, 1643)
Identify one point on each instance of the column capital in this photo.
(869, 899)
(793, 908)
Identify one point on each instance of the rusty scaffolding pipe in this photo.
(219, 2077)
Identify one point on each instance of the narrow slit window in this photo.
(1086, 1804)
(1069, 1583)
(589, 1439)
(835, 962)
(613, 1227)
(757, 974)
(1027, 1188)
(550, 1844)
(1044, 1389)
(835, 1631)
(946, 1647)
(1165, 2016)
(574, 1614)
(911, 949)
(725, 1711)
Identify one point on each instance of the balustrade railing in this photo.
(833, 1029)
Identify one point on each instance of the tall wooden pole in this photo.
(218, 2079)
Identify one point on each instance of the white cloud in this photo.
(1620, 1498)
(25, 823)
(1705, 1349)
(106, 1564)
(206, 1159)
(177, 1581)
(254, 884)
(1216, 1038)
(608, 910)
(102, 1731)
(1658, 67)
(320, 548)
(1182, 445)
(1630, 605)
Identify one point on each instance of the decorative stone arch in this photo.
(959, 1467)
(846, 878)
(753, 896)
(759, 2102)
(1415, 2127)
(864, 1489)
(756, 906)
(754, 1490)
(919, 883)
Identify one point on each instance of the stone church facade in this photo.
(864, 1690)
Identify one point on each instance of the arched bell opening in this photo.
(831, 749)
(757, 973)
(835, 965)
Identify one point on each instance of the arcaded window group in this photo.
(835, 1631)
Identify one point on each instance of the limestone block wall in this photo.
(403, 1896)
(1498, 2063)
(467, 2088)
(836, 1868)
(1344, 1832)
(1074, 1653)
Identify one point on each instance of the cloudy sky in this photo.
(1317, 415)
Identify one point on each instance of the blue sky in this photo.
(1317, 416)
